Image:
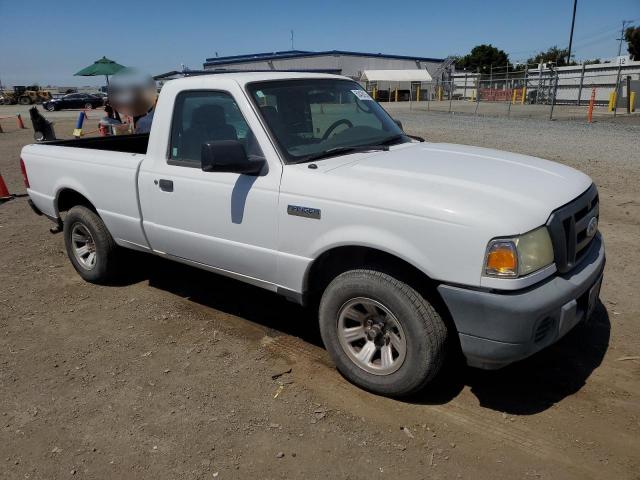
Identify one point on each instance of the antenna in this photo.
(291, 39)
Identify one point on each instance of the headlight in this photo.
(518, 256)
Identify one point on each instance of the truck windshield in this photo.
(319, 118)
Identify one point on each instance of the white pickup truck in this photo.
(302, 184)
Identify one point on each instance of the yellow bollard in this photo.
(612, 101)
(524, 95)
(396, 94)
(417, 94)
(513, 97)
(375, 93)
(633, 101)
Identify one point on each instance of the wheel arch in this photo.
(68, 197)
(336, 260)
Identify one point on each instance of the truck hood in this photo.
(461, 184)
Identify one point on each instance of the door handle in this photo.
(165, 185)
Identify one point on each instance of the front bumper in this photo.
(497, 329)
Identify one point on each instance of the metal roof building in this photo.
(350, 64)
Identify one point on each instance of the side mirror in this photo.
(398, 123)
(228, 156)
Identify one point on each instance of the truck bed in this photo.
(136, 143)
(104, 170)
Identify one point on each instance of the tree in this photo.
(632, 36)
(552, 55)
(483, 57)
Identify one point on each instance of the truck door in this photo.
(227, 221)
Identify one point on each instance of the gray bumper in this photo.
(496, 329)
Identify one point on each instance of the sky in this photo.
(156, 37)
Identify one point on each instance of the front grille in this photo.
(568, 229)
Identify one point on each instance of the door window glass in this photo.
(205, 116)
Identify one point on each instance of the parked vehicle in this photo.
(25, 95)
(303, 185)
(74, 100)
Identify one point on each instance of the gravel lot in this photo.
(169, 374)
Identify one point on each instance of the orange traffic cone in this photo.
(19, 121)
(4, 192)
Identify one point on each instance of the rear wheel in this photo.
(24, 101)
(90, 246)
(381, 334)
(88, 106)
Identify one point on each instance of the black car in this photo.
(74, 100)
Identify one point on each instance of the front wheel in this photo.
(382, 335)
(50, 107)
(90, 247)
(88, 106)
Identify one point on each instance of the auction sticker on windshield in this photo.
(361, 94)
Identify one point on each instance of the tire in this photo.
(24, 101)
(103, 266)
(50, 107)
(411, 317)
(88, 106)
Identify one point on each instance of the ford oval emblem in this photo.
(592, 227)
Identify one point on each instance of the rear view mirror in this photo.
(228, 156)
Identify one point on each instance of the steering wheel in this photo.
(334, 125)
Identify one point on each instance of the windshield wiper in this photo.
(392, 139)
(332, 152)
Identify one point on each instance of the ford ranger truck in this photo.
(302, 184)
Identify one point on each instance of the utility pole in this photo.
(573, 22)
(624, 24)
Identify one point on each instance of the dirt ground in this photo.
(171, 373)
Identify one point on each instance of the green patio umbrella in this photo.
(104, 66)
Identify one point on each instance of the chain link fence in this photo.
(604, 89)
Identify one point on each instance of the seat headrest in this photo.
(205, 115)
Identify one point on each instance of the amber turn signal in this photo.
(502, 259)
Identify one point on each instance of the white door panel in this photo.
(223, 220)
(226, 221)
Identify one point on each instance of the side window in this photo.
(206, 116)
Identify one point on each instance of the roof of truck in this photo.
(247, 77)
